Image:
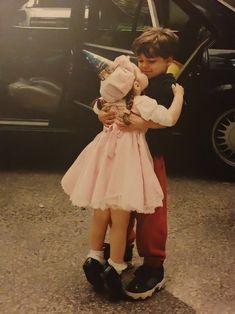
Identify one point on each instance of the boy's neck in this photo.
(157, 76)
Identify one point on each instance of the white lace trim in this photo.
(115, 202)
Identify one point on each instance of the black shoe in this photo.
(94, 273)
(128, 252)
(147, 280)
(113, 283)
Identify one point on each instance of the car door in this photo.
(108, 29)
(34, 63)
(196, 34)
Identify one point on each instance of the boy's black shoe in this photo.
(147, 280)
(94, 273)
(128, 252)
(113, 283)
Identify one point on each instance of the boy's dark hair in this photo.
(156, 42)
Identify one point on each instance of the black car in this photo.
(47, 85)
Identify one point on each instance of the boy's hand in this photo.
(106, 117)
(177, 89)
(136, 123)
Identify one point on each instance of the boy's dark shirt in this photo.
(160, 89)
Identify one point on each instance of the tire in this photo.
(220, 143)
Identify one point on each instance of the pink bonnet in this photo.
(125, 62)
(117, 85)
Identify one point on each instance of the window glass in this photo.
(117, 19)
(117, 22)
(33, 67)
(177, 18)
(191, 32)
(144, 19)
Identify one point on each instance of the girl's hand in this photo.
(177, 89)
(106, 117)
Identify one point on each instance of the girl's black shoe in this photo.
(113, 283)
(94, 273)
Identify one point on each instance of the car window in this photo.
(33, 66)
(190, 31)
(173, 16)
(116, 22)
(177, 17)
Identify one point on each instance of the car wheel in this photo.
(221, 146)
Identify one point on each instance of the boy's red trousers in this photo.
(151, 229)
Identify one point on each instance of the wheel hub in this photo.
(223, 137)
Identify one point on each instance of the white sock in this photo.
(118, 267)
(98, 255)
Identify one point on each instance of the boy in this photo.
(154, 49)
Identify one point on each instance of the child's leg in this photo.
(151, 231)
(130, 230)
(98, 227)
(94, 264)
(130, 240)
(118, 232)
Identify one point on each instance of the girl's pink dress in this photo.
(115, 171)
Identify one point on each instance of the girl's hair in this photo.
(129, 98)
(100, 103)
(156, 42)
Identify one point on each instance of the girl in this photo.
(114, 174)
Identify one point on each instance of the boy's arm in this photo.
(136, 123)
(105, 117)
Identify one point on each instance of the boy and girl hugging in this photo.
(121, 174)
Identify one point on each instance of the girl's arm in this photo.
(149, 110)
(143, 123)
(177, 104)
